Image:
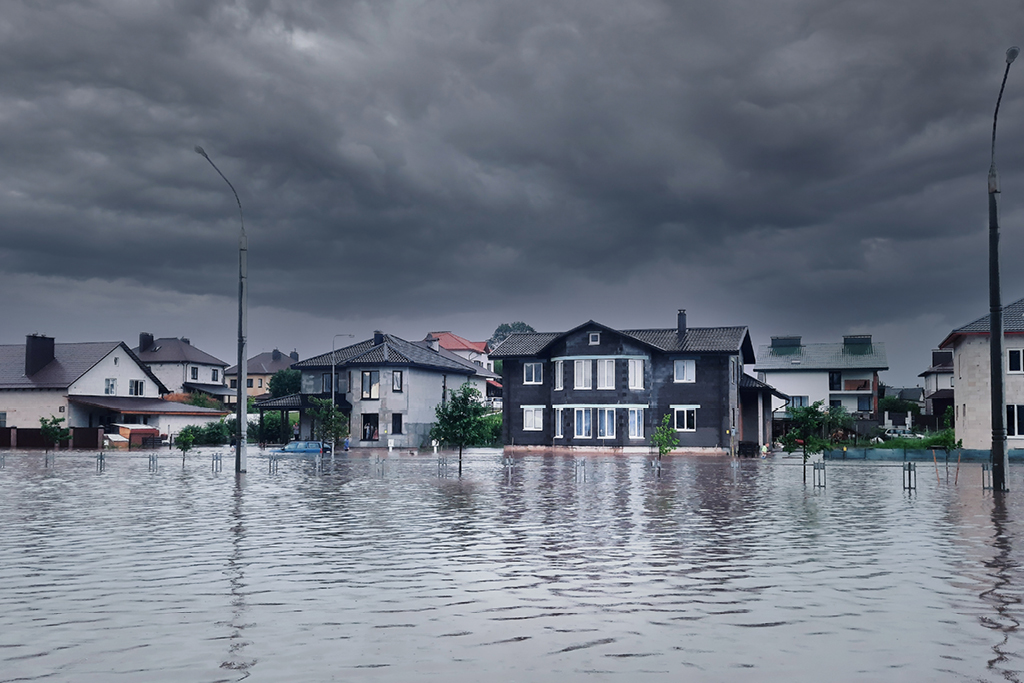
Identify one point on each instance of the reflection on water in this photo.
(547, 570)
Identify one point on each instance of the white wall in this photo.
(24, 407)
(174, 375)
(972, 397)
(810, 383)
(118, 365)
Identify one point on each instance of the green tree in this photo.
(808, 426)
(53, 431)
(330, 424)
(665, 437)
(201, 400)
(285, 383)
(502, 331)
(184, 441)
(461, 420)
(893, 404)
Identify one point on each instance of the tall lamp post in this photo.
(243, 306)
(334, 362)
(999, 454)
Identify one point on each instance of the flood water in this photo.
(546, 571)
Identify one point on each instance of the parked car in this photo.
(301, 447)
(900, 433)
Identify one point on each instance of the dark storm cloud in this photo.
(432, 157)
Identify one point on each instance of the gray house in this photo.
(389, 388)
(597, 387)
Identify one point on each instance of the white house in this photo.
(843, 374)
(182, 367)
(474, 352)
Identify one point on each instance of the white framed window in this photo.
(110, 386)
(533, 373)
(1013, 361)
(583, 423)
(558, 423)
(606, 373)
(686, 418)
(559, 374)
(533, 418)
(636, 423)
(685, 370)
(798, 401)
(582, 378)
(595, 338)
(136, 387)
(636, 373)
(1014, 420)
(606, 423)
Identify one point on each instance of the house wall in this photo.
(24, 407)
(972, 403)
(117, 365)
(934, 381)
(174, 375)
(810, 383)
(260, 385)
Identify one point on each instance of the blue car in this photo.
(303, 447)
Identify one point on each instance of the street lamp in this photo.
(243, 306)
(334, 363)
(999, 455)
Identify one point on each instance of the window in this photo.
(864, 403)
(636, 373)
(234, 384)
(259, 382)
(533, 418)
(194, 373)
(116, 359)
(685, 370)
(533, 373)
(606, 423)
(370, 422)
(583, 418)
(248, 382)
(325, 383)
(558, 423)
(396, 380)
(835, 381)
(606, 373)
(396, 423)
(215, 375)
(1014, 361)
(581, 374)
(686, 419)
(798, 402)
(595, 338)
(136, 387)
(559, 374)
(110, 386)
(636, 423)
(835, 403)
(371, 384)
(3, 420)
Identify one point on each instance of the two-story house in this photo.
(972, 407)
(475, 352)
(389, 388)
(938, 384)
(837, 374)
(595, 387)
(258, 371)
(181, 367)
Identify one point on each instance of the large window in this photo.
(686, 419)
(1014, 420)
(685, 371)
(582, 378)
(110, 386)
(636, 373)
(606, 423)
(559, 374)
(396, 423)
(835, 381)
(533, 373)
(136, 387)
(533, 418)
(371, 384)
(370, 423)
(864, 403)
(583, 423)
(606, 373)
(396, 380)
(325, 383)
(636, 423)
(1013, 361)
(798, 402)
(558, 423)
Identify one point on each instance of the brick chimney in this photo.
(275, 355)
(378, 337)
(38, 353)
(681, 321)
(294, 355)
(145, 342)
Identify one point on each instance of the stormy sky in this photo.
(805, 167)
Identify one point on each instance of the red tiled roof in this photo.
(453, 342)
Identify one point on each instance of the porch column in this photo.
(761, 437)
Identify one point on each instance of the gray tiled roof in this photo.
(832, 356)
(391, 351)
(140, 406)
(1013, 320)
(696, 340)
(70, 361)
(174, 350)
(263, 364)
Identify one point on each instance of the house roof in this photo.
(212, 389)
(832, 356)
(174, 350)
(136, 405)
(945, 368)
(1013, 323)
(452, 356)
(264, 363)
(454, 342)
(391, 350)
(668, 340)
(748, 382)
(70, 362)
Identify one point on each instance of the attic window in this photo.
(595, 338)
(115, 360)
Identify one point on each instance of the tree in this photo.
(184, 442)
(502, 331)
(893, 404)
(201, 400)
(330, 424)
(460, 420)
(285, 383)
(665, 437)
(53, 431)
(807, 430)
